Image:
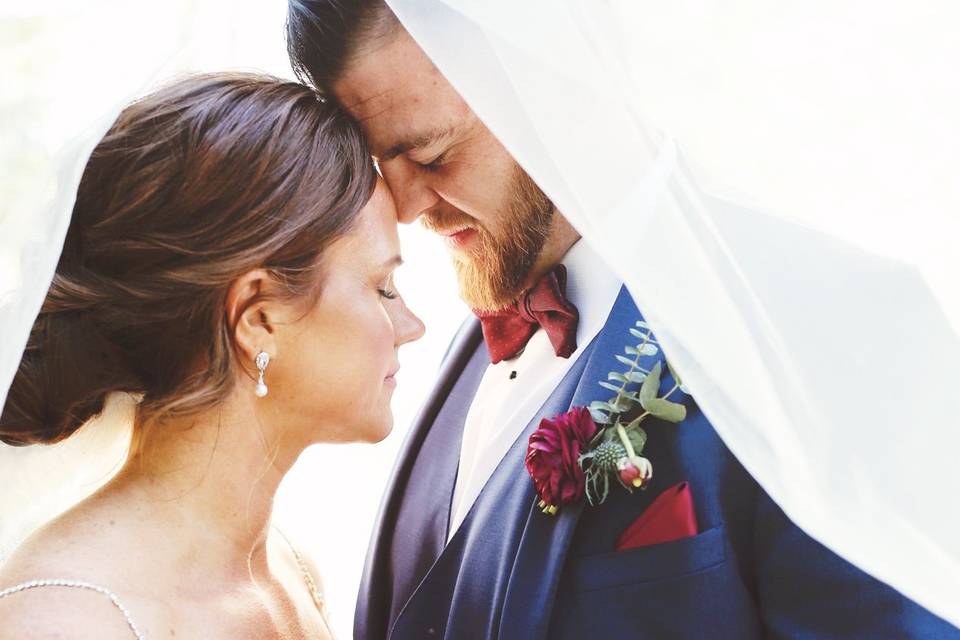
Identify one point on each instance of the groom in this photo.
(462, 548)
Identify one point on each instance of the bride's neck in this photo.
(212, 476)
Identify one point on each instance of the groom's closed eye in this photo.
(431, 165)
(426, 141)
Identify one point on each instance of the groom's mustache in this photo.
(447, 222)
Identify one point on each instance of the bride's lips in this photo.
(391, 378)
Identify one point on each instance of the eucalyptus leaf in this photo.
(625, 360)
(673, 372)
(611, 387)
(649, 349)
(601, 405)
(637, 437)
(640, 335)
(631, 351)
(666, 410)
(650, 386)
(642, 324)
(636, 376)
(599, 417)
(619, 377)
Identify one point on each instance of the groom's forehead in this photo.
(398, 96)
(392, 129)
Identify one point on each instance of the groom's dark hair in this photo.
(324, 36)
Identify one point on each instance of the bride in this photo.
(229, 264)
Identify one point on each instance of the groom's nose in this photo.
(411, 189)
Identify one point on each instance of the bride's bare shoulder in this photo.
(50, 612)
(63, 550)
(69, 546)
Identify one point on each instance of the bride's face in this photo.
(335, 367)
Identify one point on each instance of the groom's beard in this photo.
(493, 271)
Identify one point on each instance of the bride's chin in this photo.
(369, 433)
(382, 432)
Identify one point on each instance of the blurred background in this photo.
(67, 68)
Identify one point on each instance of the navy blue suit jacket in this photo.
(514, 573)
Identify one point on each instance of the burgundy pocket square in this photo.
(669, 517)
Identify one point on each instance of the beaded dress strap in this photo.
(311, 584)
(76, 584)
(318, 600)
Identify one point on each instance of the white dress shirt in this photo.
(512, 391)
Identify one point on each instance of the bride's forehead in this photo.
(375, 230)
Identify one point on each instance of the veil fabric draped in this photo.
(69, 71)
(796, 258)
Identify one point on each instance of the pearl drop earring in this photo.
(262, 360)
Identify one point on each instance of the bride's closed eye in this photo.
(387, 289)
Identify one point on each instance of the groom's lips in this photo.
(459, 238)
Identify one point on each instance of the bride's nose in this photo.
(407, 326)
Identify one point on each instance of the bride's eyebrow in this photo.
(392, 263)
(418, 141)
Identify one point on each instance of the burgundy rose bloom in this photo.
(552, 457)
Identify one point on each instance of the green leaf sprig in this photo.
(620, 434)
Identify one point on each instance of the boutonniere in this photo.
(582, 451)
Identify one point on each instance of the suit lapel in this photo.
(462, 593)
(546, 539)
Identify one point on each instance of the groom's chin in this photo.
(484, 290)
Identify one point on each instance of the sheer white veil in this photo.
(69, 69)
(816, 320)
(797, 260)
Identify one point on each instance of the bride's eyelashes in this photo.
(387, 290)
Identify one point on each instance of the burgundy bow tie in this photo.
(507, 331)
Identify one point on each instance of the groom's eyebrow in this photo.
(418, 141)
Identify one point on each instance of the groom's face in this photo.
(446, 168)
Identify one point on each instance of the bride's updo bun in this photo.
(193, 186)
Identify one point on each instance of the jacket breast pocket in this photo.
(644, 564)
(683, 589)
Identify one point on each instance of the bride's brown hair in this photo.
(193, 186)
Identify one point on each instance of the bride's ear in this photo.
(250, 313)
